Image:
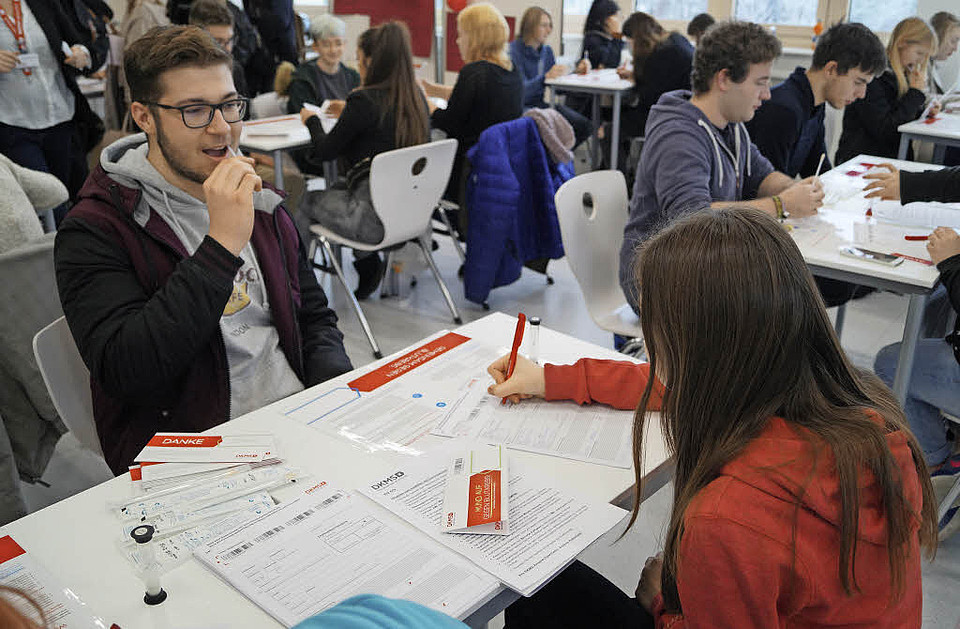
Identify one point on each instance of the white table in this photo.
(597, 83)
(278, 134)
(942, 132)
(76, 539)
(843, 222)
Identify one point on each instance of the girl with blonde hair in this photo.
(489, 88)
(893, 98)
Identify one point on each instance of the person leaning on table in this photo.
(185, 285)
(935, 382)
(801, 498)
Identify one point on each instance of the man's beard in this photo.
(173, 160)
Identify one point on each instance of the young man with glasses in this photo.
(182, 278)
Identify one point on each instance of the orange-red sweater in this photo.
(737, 567)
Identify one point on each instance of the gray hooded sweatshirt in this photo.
(687, 163)
(259, 371)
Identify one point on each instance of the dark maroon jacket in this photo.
(146, 316)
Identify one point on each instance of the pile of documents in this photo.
(193, 487)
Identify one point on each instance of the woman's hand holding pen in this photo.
(526, 382)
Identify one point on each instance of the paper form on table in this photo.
(930, 215)
(548, 528)
(63, 609)
(593, 433)
(311, 553)
(391, 406)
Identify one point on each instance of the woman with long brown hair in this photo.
(386, 112)
(801, 498)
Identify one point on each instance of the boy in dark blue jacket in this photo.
(788, 128)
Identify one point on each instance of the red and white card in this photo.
(476, 499)
(185, 447)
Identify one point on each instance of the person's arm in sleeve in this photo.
(773, 131)
(533, 83)
(681, 173)
(135, 343)
(300, 92)
(731, 576)
(453, 119)
(324, 356)
(881, 111)
(950, 278)
(760, 171)
(930, 185)
(358, 114)
(614, 382)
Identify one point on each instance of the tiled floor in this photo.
(871, 323)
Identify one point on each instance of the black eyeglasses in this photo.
(200, 115)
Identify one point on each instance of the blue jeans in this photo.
(934, 386)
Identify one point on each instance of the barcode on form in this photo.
(458, 466)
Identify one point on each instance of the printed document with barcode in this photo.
(548, 526)
(309, 554)
(594, 433)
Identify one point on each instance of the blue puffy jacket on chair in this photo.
(512, 216)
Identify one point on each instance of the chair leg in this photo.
(335, 261)
(390, 286)
(948, 500)
(453, 235)
(424, 243)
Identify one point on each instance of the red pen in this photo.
(517, 339)
(916, 237)
(914, 258)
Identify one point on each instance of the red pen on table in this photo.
(517, 338)
(916, 237)
(914, 258)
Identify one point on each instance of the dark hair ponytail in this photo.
(390, 67)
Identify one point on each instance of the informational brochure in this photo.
(476, 499)
(548, 527)
(61, 607)
(309, 554)
(595, 433)
(186, 447)
(391, 406)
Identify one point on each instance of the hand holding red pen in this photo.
(526, 382)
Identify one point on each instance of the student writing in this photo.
(801, 497)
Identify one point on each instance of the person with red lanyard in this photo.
(801, 498)
(40, 102)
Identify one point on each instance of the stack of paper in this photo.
(62, 608)
(309, 554)
(927, 215)
(548, 528)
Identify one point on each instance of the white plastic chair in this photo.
(405, 186)
(592, 210)
(954, 493)
(68, 381)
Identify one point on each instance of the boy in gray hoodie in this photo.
(182, 277)
(697, 152)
